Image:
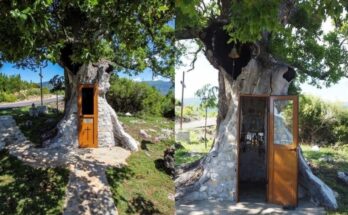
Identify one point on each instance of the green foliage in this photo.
(322, 122)
(12, 88)
(208, 96)
(132, 34)
(291, 32)
(26, 190)
(135, 97)
(57, 83)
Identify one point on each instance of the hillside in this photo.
(162, 86)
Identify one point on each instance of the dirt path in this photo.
(195, 124)
(88, 191)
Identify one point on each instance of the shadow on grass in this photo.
(141, 206)
(25, 190)
(138, 204)
(144, 144)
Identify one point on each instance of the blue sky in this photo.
(54, 69)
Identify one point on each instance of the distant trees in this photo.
(322, 122)
(12, 87)
(135, 97)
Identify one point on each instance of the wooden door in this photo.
(282, 156)
(88, 115)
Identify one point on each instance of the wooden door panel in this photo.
(87, 133)
(283, 137)
(285, 187)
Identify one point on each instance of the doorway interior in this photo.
(253, 139)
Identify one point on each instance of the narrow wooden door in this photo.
(282, 156)
(88, 115)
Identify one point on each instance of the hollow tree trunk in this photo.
(110, 130)
(215, 175)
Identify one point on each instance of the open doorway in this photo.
(253, 139)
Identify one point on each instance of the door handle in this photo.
(293, 149)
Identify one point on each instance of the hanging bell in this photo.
(234, 53)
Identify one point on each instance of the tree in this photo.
(259, 47)
(90, 40)
(57, 83)
(208, 97)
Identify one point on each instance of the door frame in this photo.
(239, 111)
(95, 112)
(269, 99)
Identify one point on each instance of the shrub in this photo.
(135, 97)
(322, 122)
(7, 97)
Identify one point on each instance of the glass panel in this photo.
(283, 122)
(87, 101)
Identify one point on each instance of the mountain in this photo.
(162, 86)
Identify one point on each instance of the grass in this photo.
(40, 125)
(25, 190)
(327, 171)
(195, 149)
(143, 186)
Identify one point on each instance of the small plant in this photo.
(208, 97)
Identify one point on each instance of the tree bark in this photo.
(215, 175)
(110, 130)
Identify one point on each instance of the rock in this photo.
(128, 114)
(169, 161)
(343, 176)
(171, 196)
(178, 145)
(326, 159)
(315, 148)
(143, 134)
(182, 136)
(42, 110)
(336, 194)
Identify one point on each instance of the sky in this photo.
(54, 69)
(205, 73)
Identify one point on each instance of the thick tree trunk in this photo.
(215, 176)
(110, 130)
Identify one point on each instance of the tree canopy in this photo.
(134, 35)
(291, 31)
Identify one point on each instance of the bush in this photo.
(168, 105)
(135, 97)
(322, 122)
(7, 97)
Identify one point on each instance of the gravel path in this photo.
(88, 191)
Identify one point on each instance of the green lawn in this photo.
(327, 171)
(40, 125)
(25, 190)
(143, 186)
(194, 149)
